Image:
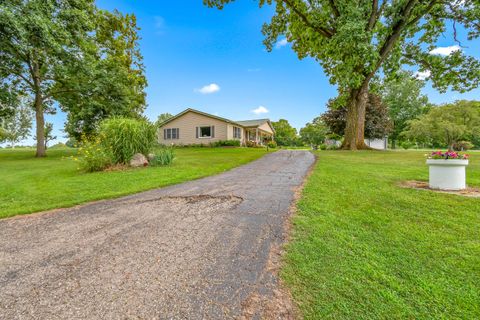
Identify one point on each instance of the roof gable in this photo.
(198, 112)
(245, 123)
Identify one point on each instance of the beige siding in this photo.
(187, 125)
(266, 127)
(230, 133)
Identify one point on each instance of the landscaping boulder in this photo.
(138, 160)
(150, 157)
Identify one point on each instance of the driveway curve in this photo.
(201, 249)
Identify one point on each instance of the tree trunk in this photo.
(355, 130)
(40, 122)
(38, 106)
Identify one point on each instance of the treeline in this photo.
(397, 110)
(67, 55)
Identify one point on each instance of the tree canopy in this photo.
(72, 53)
(377, 120)
(447, 124)
(314, 133)
(162, 118)
(285, 134)
(16, 126)
(405, 102)
(357, 41)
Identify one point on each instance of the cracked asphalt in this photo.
(196, 250)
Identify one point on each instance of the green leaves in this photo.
(447, 124)
(285, 134)
(70, 52)
(354, 40)
(314, 133)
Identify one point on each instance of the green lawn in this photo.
(364, 248)
(28, 184)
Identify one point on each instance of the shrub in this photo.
(163, 157)
(226, 143)
(323, 146)
(251, 144)
(272, 144)
(332, 147)
(125, 137)
(94, 156)
(406, 145)
(462, 146)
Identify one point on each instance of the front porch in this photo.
(257, 136)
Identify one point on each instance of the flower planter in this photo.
(447, 174)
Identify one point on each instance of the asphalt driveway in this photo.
(201, 249)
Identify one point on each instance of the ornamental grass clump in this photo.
(447, 155)
(125, 137)
(117, 141)
(163, 157)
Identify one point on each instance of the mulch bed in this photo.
(422, 185)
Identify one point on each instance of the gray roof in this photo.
(252, 123)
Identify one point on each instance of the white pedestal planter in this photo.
(447, 174)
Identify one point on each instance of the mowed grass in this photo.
(28, 184)
(365, 248)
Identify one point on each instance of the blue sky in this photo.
(187, 46)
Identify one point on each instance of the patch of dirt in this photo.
(422, 185)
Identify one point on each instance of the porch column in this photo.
(256, 136)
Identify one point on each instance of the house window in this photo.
(169, 134)
(205, 132)
(237, 133)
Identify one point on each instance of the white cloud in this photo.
(445, 51)
(159, 24)
(260, 110)
(208, 89)
(281, 43)
(422, 75)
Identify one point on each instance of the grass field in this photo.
(28, 184)
(364, 248)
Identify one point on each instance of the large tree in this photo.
(73, 53)
(405, 102)
(377, 119)
(285, 134)
(37, 38)
(356, 41)
(109, 81)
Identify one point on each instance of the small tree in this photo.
(17, 127)
(405, 102)
(49, 133)
(314, 133)
(377, 120)
(162, 118)
(446, 125)
(285, 134)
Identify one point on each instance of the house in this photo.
(196, 127)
